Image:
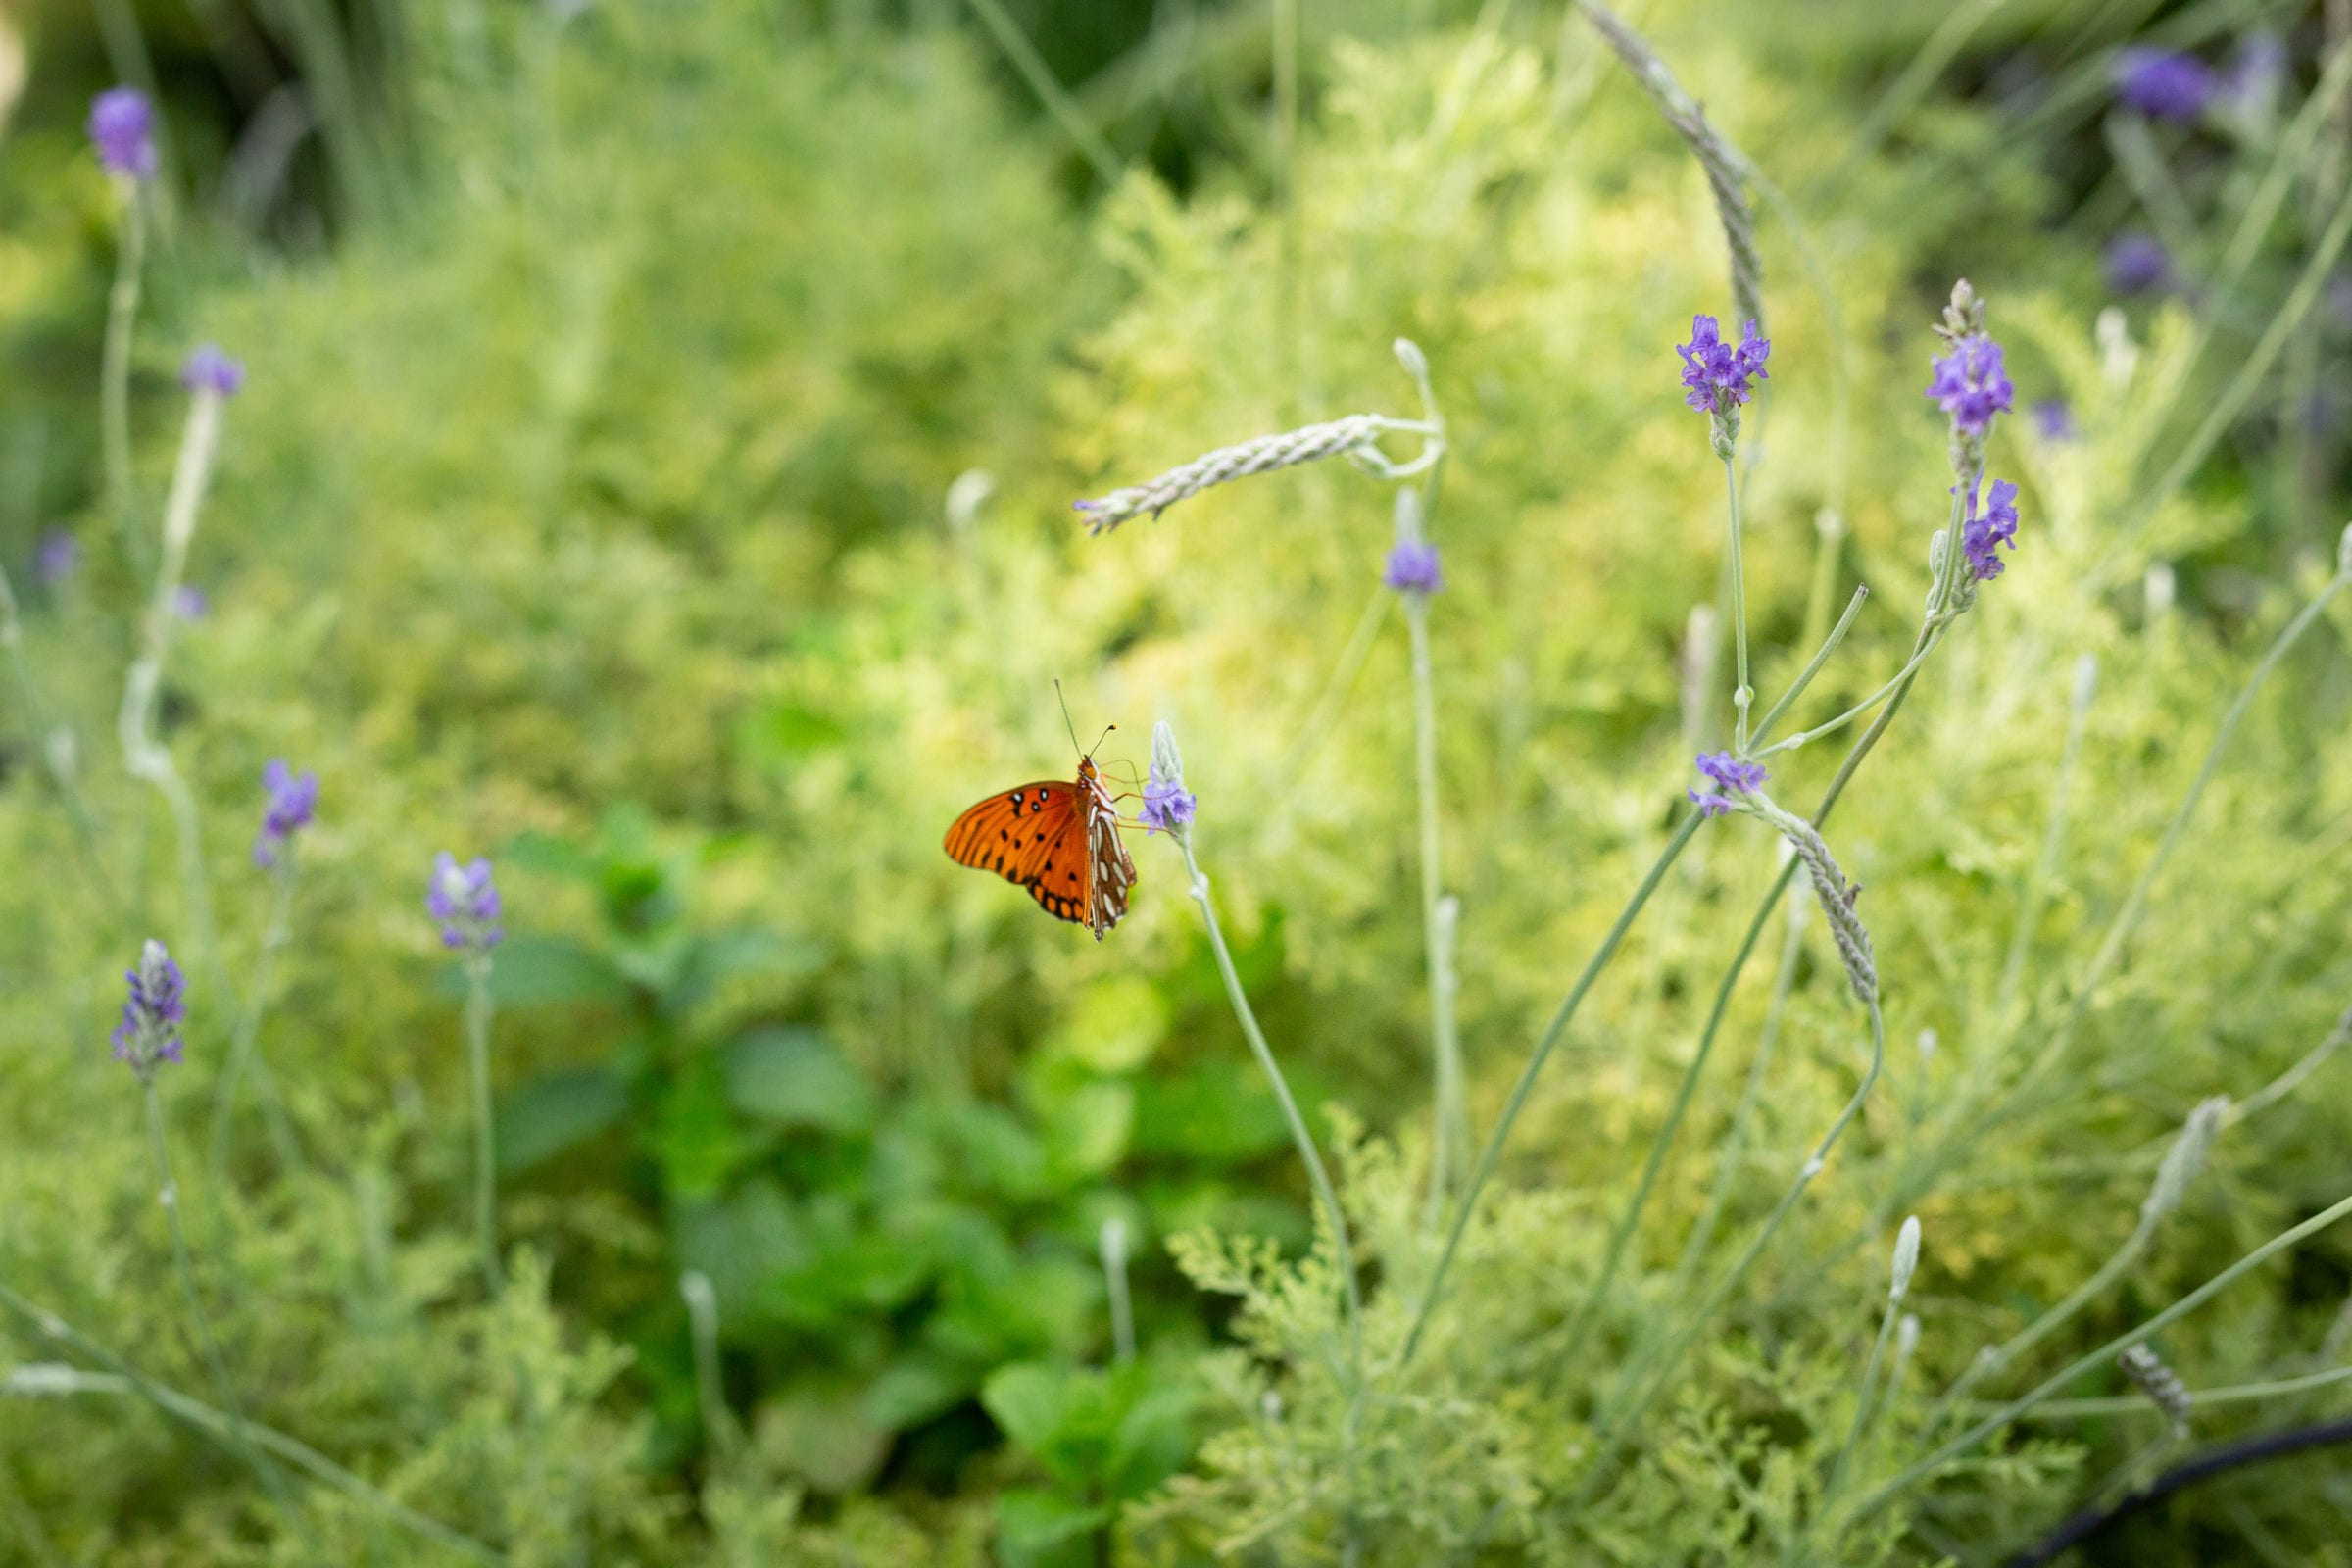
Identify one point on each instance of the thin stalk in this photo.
(113, 381)
(244, 1051)
(1742, 693)
(719, 1428)
(1663, 1141)
(1058, 104)
(1831, 1487)
(2199, 1398)
(216, 1365)
(1617, 1429)
(1996, 1359)
(221, 1428)
(1804, 678)
(1902, 677)
(1450, 1142)
(486, 1137)
(2102, 1356)
(2288, 1082)
(1491, 1153)
(1325, 1194)
(2053, 839)
(1293, 247)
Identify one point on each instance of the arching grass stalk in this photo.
(1804, 678)
(216, 1427)
(1641, 1382)
(200, 1321)
(2102, 1356)
(244, 1049)
(146, 756)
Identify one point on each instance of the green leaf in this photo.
(557, 1112)
(1037, 1406)
(912, 1392)
(527, 971)
(794, 1078)
(695, 1137)
(1153, 1440)
(1043, 1530)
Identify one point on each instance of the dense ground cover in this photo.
(652, 471)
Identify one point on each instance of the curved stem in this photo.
(1901, 677)
(1742, 694)
(2053, 838)
(1325, 1194)
(1450, 1136)
(1796, 687)
(485, 1138)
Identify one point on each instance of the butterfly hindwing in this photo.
(1059, 841)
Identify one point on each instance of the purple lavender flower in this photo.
(2053, 420)
(191, 603)
(1996, 525)
(465, 902)
(158, 1004)
(292, 800)
(2163, 83)
(1729, 776)
(2136, 262)
(207, 370)
(1715, 374)
(123, 129)
(1971, 385)
(1413, 568)
(58, 557)
(1167, 804)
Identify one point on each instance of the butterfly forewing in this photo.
(1059, 841)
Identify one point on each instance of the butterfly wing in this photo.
(1037, 837)
(1110, 869)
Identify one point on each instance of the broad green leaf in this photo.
(794, 1078)
(557, 1112)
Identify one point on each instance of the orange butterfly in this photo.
(1059, 841)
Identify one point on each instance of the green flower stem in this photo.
(719, 1428)
(1742, 694)
(1325, 1194)
(2102, 1356)
(36, 714)
(1617, 1429)
(1835, 1483)
(113, 385)
(199, 1321)
(244, 1051)
(1901, 678)
(2031, 892)
(1065, 110)
(1663, 1142)
(2199, 1398)
(1449, 1144)
(1491, 1153)
(478, 1007)
(220, 1428)
(1804, 678)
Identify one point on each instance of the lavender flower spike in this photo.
(465, 902)
(1413, 568)
(122, 128)
(1996, 525)
(2163, 84)
(1352, 436)
(151, 1015)
(1167, 804)
(1730, 776)
(1715, 373)
(2136, 263)
(292, 801)
(1971, 385)
(207, 370)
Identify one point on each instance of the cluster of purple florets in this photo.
(1726, 776)
(463, 902)
(1412, 567)
(123, 129)
(1970, 381)
(1972, 385)
(291, 799)
(1716, 375)
(153, 1014)
(1167, 804)
(1995, 524)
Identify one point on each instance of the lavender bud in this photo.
(151, 1015)
(209, 370)
(1906, 1337)
(2086, 681)
(2184, 1160)
(1907, 1259)
(122, 128)
(1167, 804)
(1408, 354)
(463, 902)
(2160, 1383)
(2344, 552)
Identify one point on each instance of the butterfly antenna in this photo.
(1065, 714)
(1099, 739)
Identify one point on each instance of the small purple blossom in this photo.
(2053, 420)
(1413, 568)
(1971, 385)
(1996, 525)
(465, 902)
(1729, 776)
(1715, 373)
(292, 798)
(1167, 804)
(58, 557)
(2163, 83)
(191, 603)
(153, 1012)
(207, 370)
(2136, 262)
(123, 129)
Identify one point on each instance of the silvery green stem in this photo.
(2197, 1399)
(485, 1138)
(1354, 437)
(146, 756)
(1906, 1258)
(1900, 679)
(68, 784)
(1491, 1153)
(200, 1321)
(1317, 1177)
(1114, 1283)
(2288, 1082)
(221, 1428)
(2171, 1314)
(1617, 1427)
(1065, 110)
(244, 1051)
(1451, 1140)
(1742, 694)
(2053, 838)
(1804, 678)
(114, 386)
(711, 1394)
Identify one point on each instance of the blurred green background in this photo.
(654, 473)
